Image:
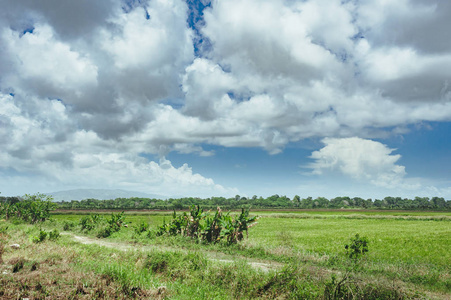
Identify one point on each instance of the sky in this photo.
(218, 98)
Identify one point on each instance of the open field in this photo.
(289, 255)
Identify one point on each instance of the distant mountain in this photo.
(99, 194)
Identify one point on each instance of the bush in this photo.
(141, 227)
(41, 237)
(68, 225)
(357, 248)
(18, 265)
(54, 235)
(116, 221)
(348, 287)
(175, 264)
(88, 223)
(114, 225)
(151, 234)
(104, 232)
(3, 230)
(356, 289)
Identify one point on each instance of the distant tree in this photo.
(439, 203)
(323, 202)
(307, 202)
(422, 202)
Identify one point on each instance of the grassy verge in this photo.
(65, 269)
(413, 250)
(309, 252)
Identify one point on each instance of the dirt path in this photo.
(262, 265)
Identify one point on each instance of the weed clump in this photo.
(141, 227)
(349, 287)
(175, 264)
(18, 264)
(54, 235)
(88, 223)
(353, 288)
(114, 224)
(68, 225)
(41, 237)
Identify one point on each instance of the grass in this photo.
(391, 240)
(408, 258)
(412, 250)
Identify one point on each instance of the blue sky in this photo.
(218, 98)
(425, 153)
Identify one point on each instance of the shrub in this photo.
(141, 227)
(348, 287)
(114, 225)
(235, 227)
(357, 248)
(18, 265)
(3, 230)
(104, 232)
(68, 225)
(355, 289)
(41, 237)
(151, 234)
(176, 264)
(88, 223)
(212, 228)
(116, 221)
(54, 235)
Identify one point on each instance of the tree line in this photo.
(238, 202)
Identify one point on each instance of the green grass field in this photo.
(289, 254)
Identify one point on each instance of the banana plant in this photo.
(200, 225)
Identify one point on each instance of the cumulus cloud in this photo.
(43, 65)
(360, 159)
(45, 150)
(124, 75)
(136, 173)
(111, 170)
(288, 70)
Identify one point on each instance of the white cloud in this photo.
(134, 173)
(26, 139)
(361, 159)
(269, 73)
(206, 86)
(272, 41)
(44, 64)
(112, 171)
(43, 150)
(154, 43)
(280, 73)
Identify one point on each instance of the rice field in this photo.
(408, 255)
